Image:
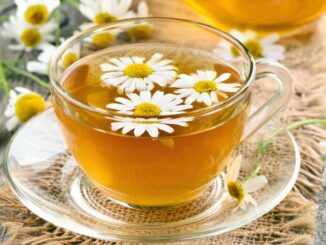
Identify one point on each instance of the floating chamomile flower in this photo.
(28, 36)
(41, 65)
(259, 48)
(240, 191)
(23, 105)
(147, 105)
(149, 125)
(134, 73)
(36, 12)
(143, 29)
(204, 86)
(104, 11)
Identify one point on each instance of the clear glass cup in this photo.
(286, 17)
(173, 169)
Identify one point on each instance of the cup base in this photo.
(96, 203)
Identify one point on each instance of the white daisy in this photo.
(133, 73)
(36, 12)
(204, 86)
(28, 36)
(264, 47)
(240, 191)
(146, 105)
(23, 104)
(149, 125)
(41, 65)
(104, 11)
(103, 39)
(141, 30)
(70, 56)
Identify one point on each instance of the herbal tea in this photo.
(160, 142)
(257, 14)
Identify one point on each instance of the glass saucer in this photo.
(42, 173)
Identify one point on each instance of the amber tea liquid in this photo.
(267, 15)
(168, 170)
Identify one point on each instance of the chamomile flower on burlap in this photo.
(41, 65)
(29, 37)
(265, 47)
(104, 11)
(135, 73)
(36, 12)
(150, 125)
(141, 30)
(241, 191)
(204, 87)
(23, 105)
(147, 105)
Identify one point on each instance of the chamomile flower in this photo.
(241, 191)
(36, 12)
(28, 36)
(134, 73)
(204, 86)
(41, 65)
(104, 11)
(147, 105)
(265, 47)
(70, 56)
(150, 125)
(143, 29)
(103, 39)
(23, 104)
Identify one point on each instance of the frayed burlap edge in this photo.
(291, 222)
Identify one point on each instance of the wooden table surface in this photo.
(74, 18)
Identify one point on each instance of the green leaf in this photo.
(3, 81)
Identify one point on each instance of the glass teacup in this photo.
(146, 155)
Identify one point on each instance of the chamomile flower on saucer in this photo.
(143, 29)
(265, 47)
(41, 65)
(135, 73)
(28, 36)
(23, 104)
(147, 105)
(241, 191)
(104, 11)
(204, 86)
(150, 125)
(36, 12)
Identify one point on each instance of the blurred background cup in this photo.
(287, 17)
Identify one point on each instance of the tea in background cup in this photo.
(285, 16)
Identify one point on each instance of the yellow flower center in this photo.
(205, 86)
(28, 105)
(138, 70)
(103, 39)
(236, 190)
(31, 37)
(140, 32)
(147, 109)
(69, 59)
(254, 47)
(37, 14)
(104, 18)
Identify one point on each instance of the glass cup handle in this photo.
(282, 78)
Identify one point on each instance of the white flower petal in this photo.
(255, 183)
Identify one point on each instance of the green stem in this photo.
(26, 74)
(4, 18)
(73, 3)
(264, 143)
(58, 29)
(3, 81)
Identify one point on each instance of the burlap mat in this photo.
(291, 222)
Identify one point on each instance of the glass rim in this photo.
(54, 81)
